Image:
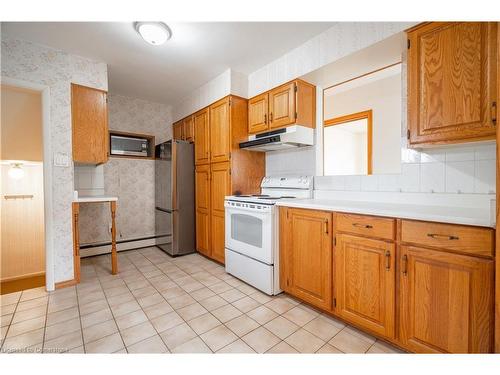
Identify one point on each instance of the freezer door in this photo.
(164, 229)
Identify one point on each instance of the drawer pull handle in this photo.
(405, 265)
(441, 236)
(387, 260)
(366, 226)
(265, 118)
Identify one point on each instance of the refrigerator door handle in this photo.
(165, 210)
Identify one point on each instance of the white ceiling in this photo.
(196, 53)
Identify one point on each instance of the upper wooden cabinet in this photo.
(282, 109)
(201, 137)
(257, 113)
(446, 302)
(183, 130)
(178, 130)
(288, 104)
(306, 255)
(89, 117)
(188, 129)
(220, 131)
(222, 169)
(452, 82)
(365, 283)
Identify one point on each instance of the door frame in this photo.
(47, 173)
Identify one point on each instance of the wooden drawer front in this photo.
(462, 239)
(367, 226)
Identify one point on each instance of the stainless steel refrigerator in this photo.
(174, 197)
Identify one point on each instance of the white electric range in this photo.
(251, 227)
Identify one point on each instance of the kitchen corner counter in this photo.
(95, 198)
(453, 215)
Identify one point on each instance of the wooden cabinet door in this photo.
(446, 302)
(202, 204)
(220, 187)
(365, 283)
(258, 114)
(452, 82)
(309, 256)
(188, 129)
(89, 117)
(201, 137)
(220, 131)
(282, 106)
(178, 130)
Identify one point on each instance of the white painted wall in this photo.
(383, 97)
(345, 152)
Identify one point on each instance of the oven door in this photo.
(249, 231)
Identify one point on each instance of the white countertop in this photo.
(453, 215)
(95, 198)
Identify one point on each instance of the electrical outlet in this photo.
(109, 227)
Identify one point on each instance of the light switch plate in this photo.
(61, 159)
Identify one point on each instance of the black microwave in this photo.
(129, 145)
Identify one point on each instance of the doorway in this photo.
(22, 246)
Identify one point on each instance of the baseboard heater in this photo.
(87, 250)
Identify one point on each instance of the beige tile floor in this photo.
(160, 304)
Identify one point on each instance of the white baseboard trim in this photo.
(106, 249)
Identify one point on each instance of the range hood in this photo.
(280, 139)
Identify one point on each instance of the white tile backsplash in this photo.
(448, 170)
(459, 177)
(89, 179)
(432, 177)
(485, 174)
(410, 178)
(486, 152)
(370, 183)
(460, 154)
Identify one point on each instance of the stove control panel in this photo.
(293, 182)
(248, 206)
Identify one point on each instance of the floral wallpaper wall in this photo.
(131, 180)
(43, 65)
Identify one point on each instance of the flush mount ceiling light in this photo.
(16, 172)
(155, 33)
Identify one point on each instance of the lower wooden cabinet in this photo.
(423, 298)
(220, 186)
(446, 302)
(202, 207)
(306, 255)
(365, 283)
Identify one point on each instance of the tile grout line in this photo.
(80, 316)
(185, 322)
(10, 323)
(142, 309)
(46, 318)
(113, 315)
